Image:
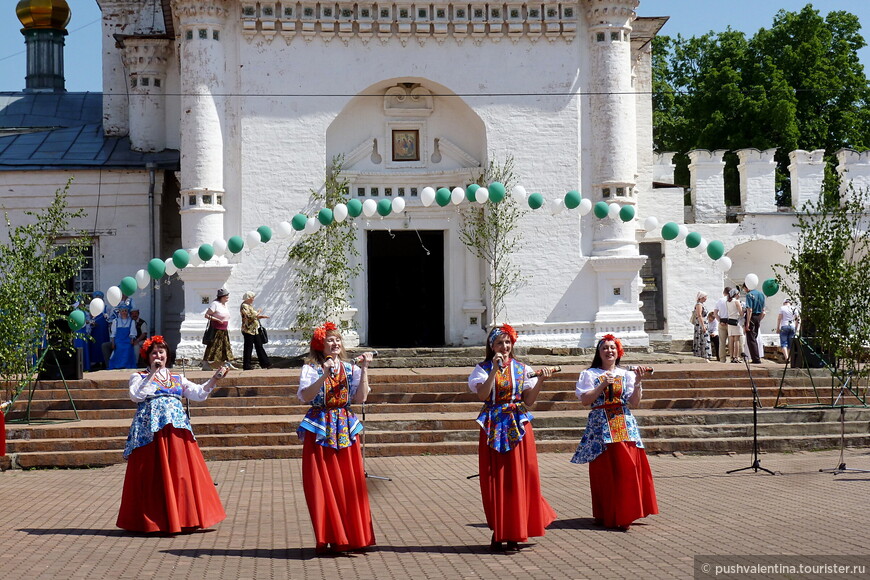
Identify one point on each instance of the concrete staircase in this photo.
(687, 407)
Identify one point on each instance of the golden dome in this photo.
(53, 14)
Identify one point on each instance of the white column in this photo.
(612, 114)
(663, 167)
(200, 26)
(119, 17)
(757, 180)
(472, 306)
(146, 60)
(807, 170)
(854, 170)
(708, 185)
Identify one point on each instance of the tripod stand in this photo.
(756, 404)
(362, 443)
(841, 467)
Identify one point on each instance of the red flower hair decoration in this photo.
(503, 329)
(146, 346)
(619, 350)
(318, 339)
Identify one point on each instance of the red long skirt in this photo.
(168, 488)
(622, 485)
(334, 482)
(510, 486)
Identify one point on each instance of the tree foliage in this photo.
(827, 276)
(324, 259)
(797, 85)
(34, 292)
(490, 233)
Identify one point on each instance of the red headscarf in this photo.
(619, 350)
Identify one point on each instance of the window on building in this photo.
(82, 283)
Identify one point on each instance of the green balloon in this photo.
(715, 249)
(236, 243)
(536, 200)
(626, 213)
(442, 196)
(496, 192)
(205, 252)
(180, 258)
(770, 287)
(298, 222)
(128, 286)
(76, 318)
(354, 208)
(325, 216)
(470, 191)
(385, 206)
(572, 199)
(265, 233)
(156, 268)
(670, 231)
(693, 240)
(601, 209)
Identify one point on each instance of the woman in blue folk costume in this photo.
(167, 487)
(123, 333)
(619, 475)
(333, 475)
(510, 484)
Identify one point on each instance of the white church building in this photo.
(220, 116)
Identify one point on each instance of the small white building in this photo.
(219, 116)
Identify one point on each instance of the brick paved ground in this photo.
(60, 524)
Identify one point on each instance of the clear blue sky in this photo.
(687, 17)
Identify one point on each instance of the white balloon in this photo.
(142, 278)
(682, 232)
(457, 195)
(284, 229)
(702, 247)
(195, 260)
(724, 263)
(113, 295)
(585, 206)
(398, 204)
(220, 247)
(427, 196)
(481, 195)
(613, 210)
(751, 281)
(97, 306)
(339, 213)
(650, 223)
(519, 192)
(557, 205)
(312, 225)
(370, 206)
(252, 239)
(171, 268)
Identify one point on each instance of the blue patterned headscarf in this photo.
(498, 331)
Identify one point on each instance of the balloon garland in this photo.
(442, 196)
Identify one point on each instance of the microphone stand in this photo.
(756, 404)
(362, 442)
(841, 466)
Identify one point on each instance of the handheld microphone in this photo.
(332, 370)
(647, 370)
(360, 358)
(500, 365)
(539, 372)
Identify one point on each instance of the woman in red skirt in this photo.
(333, 476)
(167, 487)
(619, 474)
(509, 481)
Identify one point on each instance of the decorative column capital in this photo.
(610, 13)
(146, 55)
(199, 10)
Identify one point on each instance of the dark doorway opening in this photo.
(653, 308)
(405, 288)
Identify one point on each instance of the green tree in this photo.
(490, 233)
(827, 276)
(323, 259)
(796, 85)
(34, 291)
